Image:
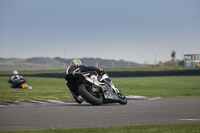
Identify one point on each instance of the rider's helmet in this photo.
(76, 62)
(15, 72)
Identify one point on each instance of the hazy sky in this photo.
(132, 30)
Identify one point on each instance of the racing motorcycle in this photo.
(97, 89)
(20, 83)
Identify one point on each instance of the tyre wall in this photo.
(127, 74)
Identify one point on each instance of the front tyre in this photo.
(122, 98)
(93, 98)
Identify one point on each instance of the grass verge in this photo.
(55, 89)
(173, 128)
(168, 87)
(42, 89)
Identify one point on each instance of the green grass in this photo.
(43, 89)
(170, 86)
(173, 128)
(56, 89)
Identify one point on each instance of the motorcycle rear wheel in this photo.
(85, 91)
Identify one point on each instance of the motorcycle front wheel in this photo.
(122, 98)
(93, 98)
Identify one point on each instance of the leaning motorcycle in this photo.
(20, 83)
(97, 89)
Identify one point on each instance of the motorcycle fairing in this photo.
(110, 95)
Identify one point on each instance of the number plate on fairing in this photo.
(110, 96)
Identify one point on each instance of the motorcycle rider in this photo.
(77, 66)
(16, 79)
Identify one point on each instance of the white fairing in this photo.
(115, 89)
(105, 76)
(94, 77)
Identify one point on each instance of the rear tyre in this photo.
(93, 98)
(122, 98)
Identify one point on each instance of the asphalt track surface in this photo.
(73, 115)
